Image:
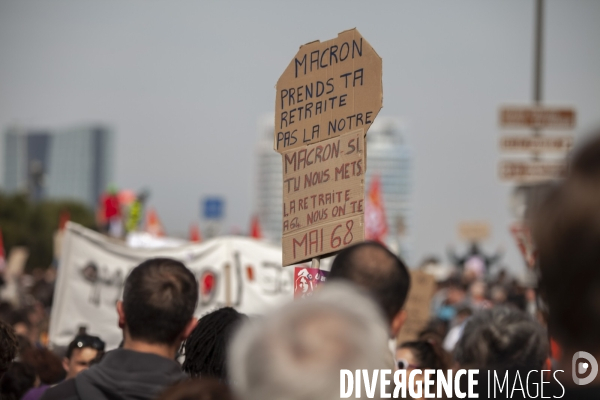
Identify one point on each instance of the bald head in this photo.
(374, 268)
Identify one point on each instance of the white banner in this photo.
(237, 271)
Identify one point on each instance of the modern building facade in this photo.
(74, 164)
(388, 156)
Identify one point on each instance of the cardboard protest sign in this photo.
(418, 305)
(326, 100)
(306, 280)
(474, 230)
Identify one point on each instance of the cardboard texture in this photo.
(537, 117)
(326, 238)
(531, 171)
(474, 230)
(418, 305)
(537, 144)
(328, 89)
(326, 100)
(323, 185)
(323, 182)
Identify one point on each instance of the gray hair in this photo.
(297, 352)
(502, 338)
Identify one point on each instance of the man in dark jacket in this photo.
(156, 315)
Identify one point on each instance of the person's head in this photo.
(197, 389)
(566, 232)
(374, 268)
(502, 338)
(8, 346)
(422, 354)
(46, 364)
(82, 351)
(498, 294)
(206, 347)
(455, 292)
(159, 299)
(298, 351)
(477, 290)
(17, 381)
(21, 323)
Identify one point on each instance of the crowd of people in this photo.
(489, 323)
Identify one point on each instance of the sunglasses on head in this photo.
(93, 342)
(403, 364)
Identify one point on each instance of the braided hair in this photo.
(206, 347)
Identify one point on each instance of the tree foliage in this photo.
(24, 223)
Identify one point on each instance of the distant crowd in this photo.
(297, 352)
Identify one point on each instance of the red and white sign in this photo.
(306, 280)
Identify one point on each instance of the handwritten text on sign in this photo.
(322, 239)
(328, 89)
(323, 183)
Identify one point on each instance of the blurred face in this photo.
(455, 295)
(21, 329)
(407, 356)
(303, 285)
(80, 360)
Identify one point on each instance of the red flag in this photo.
(375, 222)
(524, 240)
(153, 225)
(255, 230)
(195, 235)
(65, 216)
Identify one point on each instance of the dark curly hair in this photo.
(206, 347)
(8, 346)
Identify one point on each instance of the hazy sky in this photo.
(183, 83)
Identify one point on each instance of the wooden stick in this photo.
(316, 263)
(227, 273)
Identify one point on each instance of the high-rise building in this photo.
(388, 156)
(73, 164)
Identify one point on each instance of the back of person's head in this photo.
(371, 266)
(502, 338)
(159, 299)
(8, 346)
(17, 381)
(566, 231)
(48, 366)
(197, 389)
(206, 347)
(428, 354)
(298, 352)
